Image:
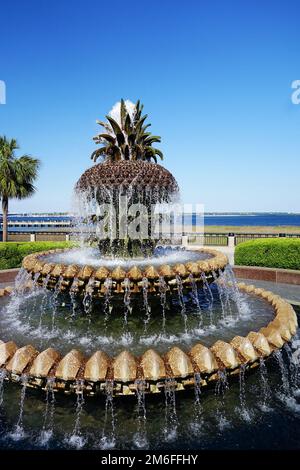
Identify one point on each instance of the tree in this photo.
(17, 176)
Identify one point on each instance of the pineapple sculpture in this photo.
(128, 171)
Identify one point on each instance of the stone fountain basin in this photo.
(48, 273)
(126, 373)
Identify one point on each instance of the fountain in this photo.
(120, 287)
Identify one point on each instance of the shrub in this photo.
(269, 252)
(12, 253)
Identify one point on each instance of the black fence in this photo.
(207, 239)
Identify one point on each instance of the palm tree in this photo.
(127, 139)
(16, 176)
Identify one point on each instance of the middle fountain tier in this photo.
(169, 271)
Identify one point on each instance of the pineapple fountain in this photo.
(118, 290)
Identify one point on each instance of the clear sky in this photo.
(215, 79)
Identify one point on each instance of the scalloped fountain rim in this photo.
(189, 273)
(126, 373)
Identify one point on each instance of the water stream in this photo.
(2, 379)
(48, 424)
(108, 438)
(77, 439)
(18, 432)
(171, 420)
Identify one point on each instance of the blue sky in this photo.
(215, 79)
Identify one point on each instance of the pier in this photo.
(38, 223)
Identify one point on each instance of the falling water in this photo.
(220, 390)
(140, 438)
(225, 292)
(264, 385)
(197, 423)
(34, 289)
(18, 432)
(128, 308)
(163, 301)
(76, 439)
(54, 302)
(88, 299)
(107, 298)
(181, 303)
(171, 420)
(108, 438)
(87, 303)
(47, 430)
(284, 374)
(145, 284)
(21, 281)
(290, 377)
(44, 301)
(208, 296)
(2, 378)
(236, 295)
(243, 411)
(196, 299)
(220, 290)
(73, 291)
(294, 362)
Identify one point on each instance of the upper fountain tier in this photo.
(128, 175)
(134, 188)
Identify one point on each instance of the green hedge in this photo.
(12, 253)
(269, 252)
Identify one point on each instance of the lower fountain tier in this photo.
(98, 281)
(126, 373)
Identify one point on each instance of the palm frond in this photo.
(16, 174)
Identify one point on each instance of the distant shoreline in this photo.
(251, 229)
(267, 223)
(207, 214)
(225, 229)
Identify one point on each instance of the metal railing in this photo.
(244, 237)
(207, 239)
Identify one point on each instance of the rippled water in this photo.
(29, 318)
(91, 257)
